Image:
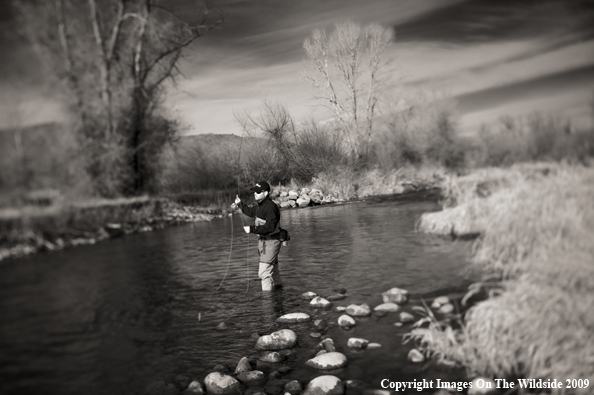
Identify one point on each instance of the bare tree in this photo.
(114, 57)
(346, 76)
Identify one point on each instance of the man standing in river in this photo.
(267, 227)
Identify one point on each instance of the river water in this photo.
(114, 317)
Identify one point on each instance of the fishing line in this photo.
(242, 223)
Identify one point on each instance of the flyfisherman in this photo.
(267, 227)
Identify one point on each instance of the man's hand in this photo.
(237, 199)
(246, 229)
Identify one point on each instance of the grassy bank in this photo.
(536, 225)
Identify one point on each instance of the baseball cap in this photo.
(260, 186)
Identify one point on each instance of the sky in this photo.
(495, 57)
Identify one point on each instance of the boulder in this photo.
(328, 361)
(316, 196)
(284, 194)
(346, 321)
(447, 308)
(305, 190)
(340, 309)
(315, 335)
(285, 338)
(195, 388)
(292, 318)
(308, 295)
(320, 324)
(358, 343)
(293, 387)
(285, 204)
(406, 317)
(293, 195)
(328, 199)
(328, 345)
(387, 307)
(292, 203)
(274, 194)
(271, 356)
(325, 385)
(439, 301)
(303, 200)
(395, 295)
(320, 302)
(254, 377)
(321, 352)
(415, 356)
(361, 310)
(220, 384)
(243, 366)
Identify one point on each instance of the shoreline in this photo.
(32, 230)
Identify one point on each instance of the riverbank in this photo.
(31, 229)
(534, 225)
(27, 230)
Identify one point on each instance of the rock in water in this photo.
(447, 308)
(220, 384)
(387, 307)
(415, 356)
(361, 310)
(293, 387)
(254, 377)
(319, 302)
(358, 343)
(336, 297)
(325, 385)
(320, 324)
(308, 295)
(195, 388)
(439, 301)
(406, 317)
(285, 338)
(395, 295)
(243, 366)
(346, 321)
(272, 357)
(373, 346)
(293, 318)
(328, 361)
(327, 344)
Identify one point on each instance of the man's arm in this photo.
(271, 215)
(248, 210)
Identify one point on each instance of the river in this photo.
(114, 317)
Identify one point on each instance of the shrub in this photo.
(423, 133)
(534, 138)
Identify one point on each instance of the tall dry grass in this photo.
(537, 234)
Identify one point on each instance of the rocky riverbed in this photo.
(321, 336)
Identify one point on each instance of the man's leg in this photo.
(268, 270)
(265, 273)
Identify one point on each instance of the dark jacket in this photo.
(267, 217)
